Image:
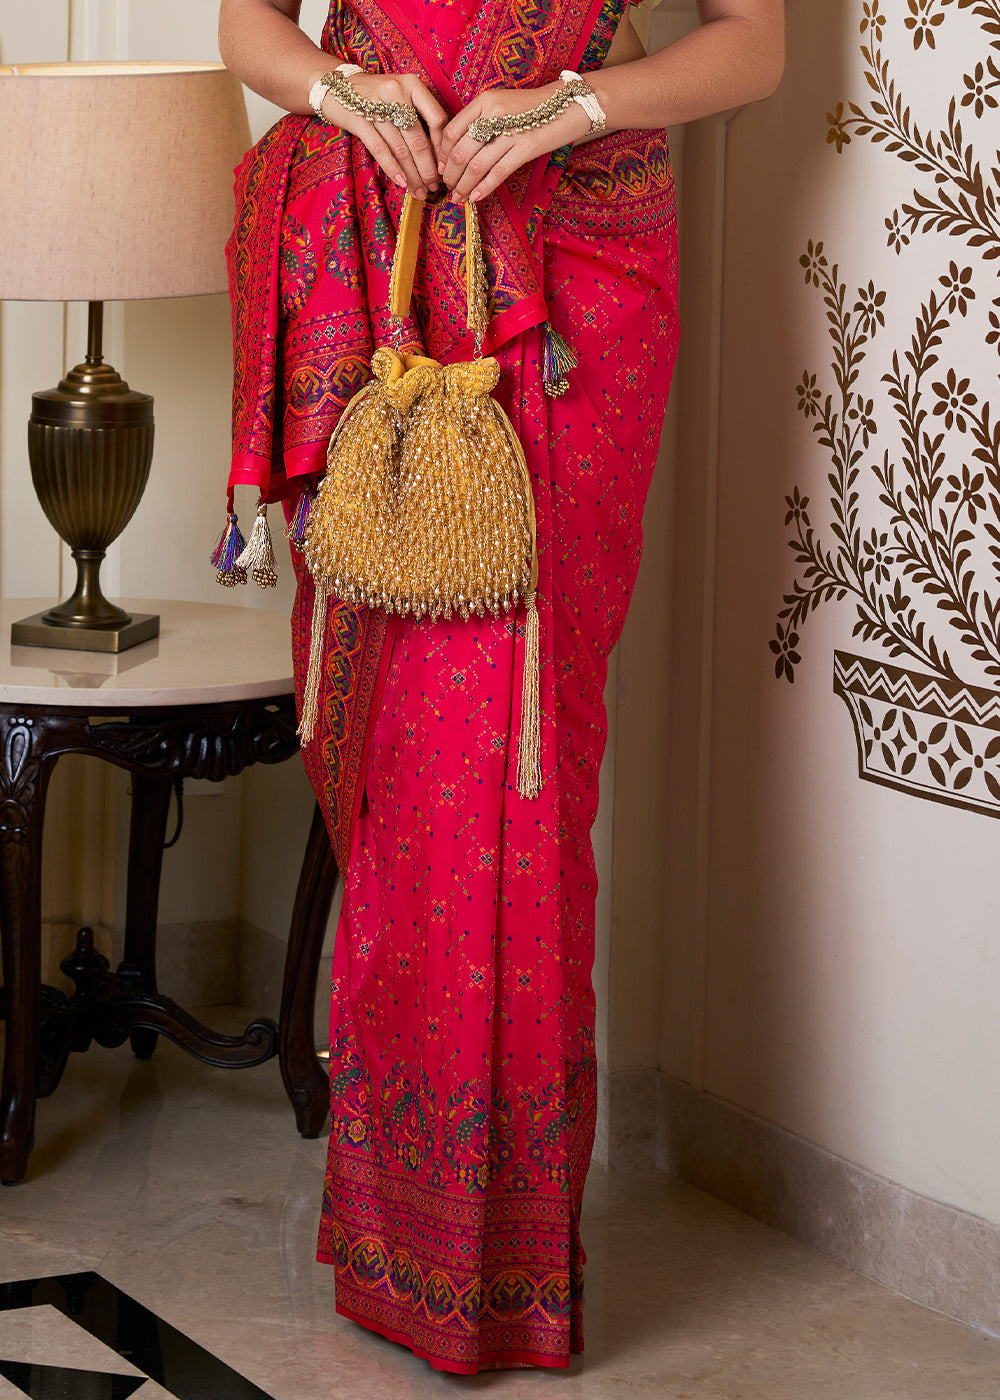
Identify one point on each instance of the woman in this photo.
(462, 1064)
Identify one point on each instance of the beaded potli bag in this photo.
(426, 508)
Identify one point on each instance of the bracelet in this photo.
(320, 87)
(574, 89)
(587, 99)
(400, 114)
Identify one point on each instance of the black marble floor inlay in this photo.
(63, 1383)
(167, 1356)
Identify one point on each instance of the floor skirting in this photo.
(925, 1249)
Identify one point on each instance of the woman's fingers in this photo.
(380, 152)
(422, 155)
(509, 161)
(469, 161)
(472, 164)
(434, 115)
(453, 133)
(402, 150)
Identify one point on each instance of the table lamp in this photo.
(116, 183)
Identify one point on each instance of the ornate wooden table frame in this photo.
(213, 741)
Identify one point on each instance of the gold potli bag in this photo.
(426, 507)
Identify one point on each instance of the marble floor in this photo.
(168, 1221)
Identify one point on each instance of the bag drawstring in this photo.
(310, 693)
(529, 749)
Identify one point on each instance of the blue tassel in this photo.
(558, 358)
(225, 554)
(299, 523)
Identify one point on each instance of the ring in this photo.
(399, 114)
(482, 130)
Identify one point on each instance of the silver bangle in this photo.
(587, 98)
(321, 87)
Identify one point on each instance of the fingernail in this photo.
(400, 181)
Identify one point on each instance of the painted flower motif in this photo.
(954, 400)
(878, 555)
(922, 21)
(809, 395)
(868, 308)
(862, 413)
(898, 237)
(783, 646)
(836, 130)
(993, 334)
(896, 600)
(796, 508)
(977, 89)
(958, 285)
(814, 262)
(967, 490)
(873, 19)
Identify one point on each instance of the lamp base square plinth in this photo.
(34, 631)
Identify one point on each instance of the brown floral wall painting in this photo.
(904, 416)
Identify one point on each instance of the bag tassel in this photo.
(529, 755)
(225, 555)
(310, 693)
(558, 359)
(257, 559)
(295, 534)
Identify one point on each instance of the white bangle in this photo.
(587, 100)
(320, 88)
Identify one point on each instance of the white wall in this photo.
(831, 950)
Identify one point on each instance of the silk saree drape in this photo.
(462, 1058)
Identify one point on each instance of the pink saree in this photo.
(461, 1034)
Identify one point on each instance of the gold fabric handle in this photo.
(404, 265)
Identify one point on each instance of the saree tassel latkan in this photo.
(426, 507)
(228, 550)
(257, 559)
(558, 360)
(295, 532)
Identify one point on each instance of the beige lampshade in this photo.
(116, 179)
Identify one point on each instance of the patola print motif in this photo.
(904, 417)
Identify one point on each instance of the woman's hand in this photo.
(472, 170)
(410, 158)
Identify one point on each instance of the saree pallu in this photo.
(463, 1080)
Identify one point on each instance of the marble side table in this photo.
(207, 698)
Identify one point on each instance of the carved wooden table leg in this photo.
(150, 806)
(23, 782)
(306, 1080)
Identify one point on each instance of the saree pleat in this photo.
(462, 1070)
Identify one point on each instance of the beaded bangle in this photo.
(320, 87)
(587, 99)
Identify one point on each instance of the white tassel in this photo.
(258, 558)
(529, 755)
(310, 694)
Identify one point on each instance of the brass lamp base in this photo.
(90, 444)
(35, 631)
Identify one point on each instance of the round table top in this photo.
(206, 653)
